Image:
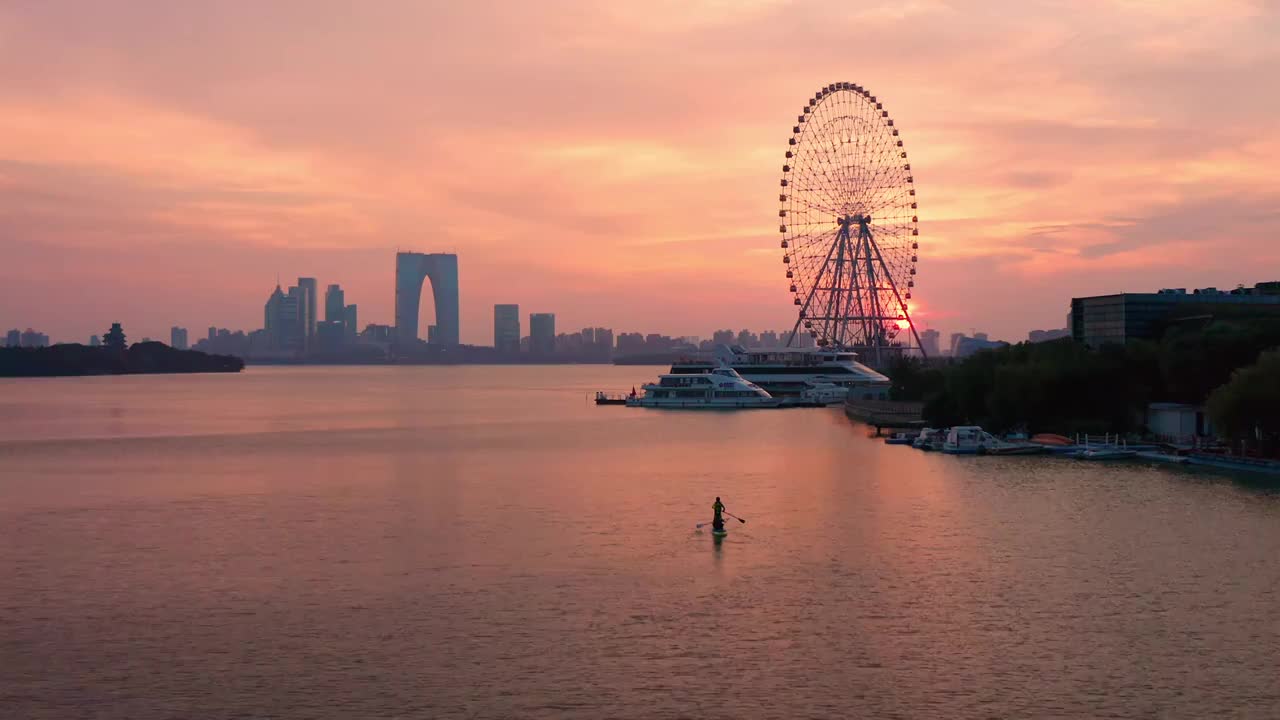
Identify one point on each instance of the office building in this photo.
(307, 286)
(506, 328)
(334, 303)
(604, 341)
(378, 334)
(1104, 319)
(965, 346)
(284, 320)
(630, 343)
(293, 320)
(1037, 336)
(330, 336)
(271, 317)
(349, 323)
(178, 338)
(542, 333)
(28, 339)
(929, 343)
(213, 334)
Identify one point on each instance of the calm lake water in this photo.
(483, 542)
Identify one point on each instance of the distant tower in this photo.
(542, 333)
(308, 287)
(335, 304)
(929, 342)
(349, 323)
(114, 338)
(178, 338)
(506, 328)
(442, 270)
(271, 318)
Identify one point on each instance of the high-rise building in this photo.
(929, 343)
(309, 299)
(32, 339)
(286, 327)
(95, 341)
(588, 336)
(542, 333)
(630, 343)
(330, 336)
(178, 338)
(967, 346)
(271, 318)
(604, 341)
(723, 337)
(506, 328)
(411, 270)
(213, 334)
(349, 323)
(13, 338)
(955, 342)
(769, 339)
(335, 303)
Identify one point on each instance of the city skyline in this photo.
(1076, 160)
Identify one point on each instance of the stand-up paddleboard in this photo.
(719, 534)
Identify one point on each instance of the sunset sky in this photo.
(617, 163)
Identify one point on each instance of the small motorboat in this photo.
(964, 440)
(924, 441)
(901, 438)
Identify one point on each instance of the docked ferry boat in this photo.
(720, 388)
(789, 371)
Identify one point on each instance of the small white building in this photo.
(1178, 422)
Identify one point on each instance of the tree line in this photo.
(1063, 386)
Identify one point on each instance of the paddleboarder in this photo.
(717, 522)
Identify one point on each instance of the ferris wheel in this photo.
(849, 224)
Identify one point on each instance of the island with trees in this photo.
(114, 357)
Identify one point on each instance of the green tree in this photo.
(1248, 406)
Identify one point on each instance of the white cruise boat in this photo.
(720, 388)
(790, 371)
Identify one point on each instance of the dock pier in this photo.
(886, 414)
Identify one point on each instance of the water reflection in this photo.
(287, 542)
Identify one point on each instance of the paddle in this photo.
(735, 517)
